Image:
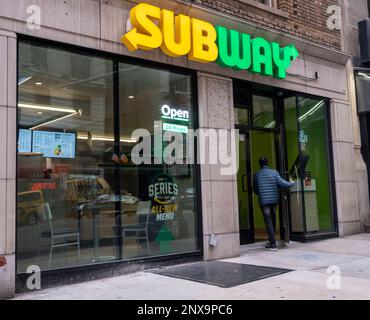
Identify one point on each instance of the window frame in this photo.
(262, 4)
(306, 236)
(271, 3)
(273, 8)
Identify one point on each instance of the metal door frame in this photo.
(248, 236)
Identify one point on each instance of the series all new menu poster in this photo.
(54, 144)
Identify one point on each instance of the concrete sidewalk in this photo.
(308, 281)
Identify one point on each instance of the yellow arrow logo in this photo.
(145, 35)
(176, 35)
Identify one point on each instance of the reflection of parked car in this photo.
(186, 209)
(188, 199)
(28, 206)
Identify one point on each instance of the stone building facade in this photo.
(323, 69)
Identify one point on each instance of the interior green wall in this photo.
(262, 144)
(318, 165)
(291, 134)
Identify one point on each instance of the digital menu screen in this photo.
(54, 144)
(24, 140)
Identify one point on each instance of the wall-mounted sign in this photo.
(162, 193)
(180, 35)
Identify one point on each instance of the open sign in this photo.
(174, 114)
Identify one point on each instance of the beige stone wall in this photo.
(219, 193)
(346, 184)
(8, 45)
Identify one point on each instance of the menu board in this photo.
(54, 144)
(24, 140)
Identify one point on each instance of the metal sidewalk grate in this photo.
(221, 274)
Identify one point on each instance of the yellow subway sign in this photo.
(180, 35)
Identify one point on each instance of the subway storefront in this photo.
(95, 124)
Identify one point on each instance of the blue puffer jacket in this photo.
(266, 184)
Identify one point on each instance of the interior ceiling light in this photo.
(364, 75)
(55, 120)
(104, 138)
(315, 108)
(271, 125)
(47, 108)
(131, 97)
(38, 83)
(23, 80)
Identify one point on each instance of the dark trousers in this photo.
(269, 215)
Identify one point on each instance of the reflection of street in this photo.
(187, 209)
(96, 223)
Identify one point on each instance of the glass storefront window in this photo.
(241, 116)
(293, 154)
(242, 108)
(65, 112)
(308, 164)
(80, 198)
(151, 98)
(314, 168)
(362, 80)
(263, 112)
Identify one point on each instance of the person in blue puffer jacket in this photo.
(266, 184)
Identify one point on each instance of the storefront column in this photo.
(8, 125)
(219, 192)
(345, 159)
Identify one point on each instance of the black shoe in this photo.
(271, 247)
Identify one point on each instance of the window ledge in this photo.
(265, 7)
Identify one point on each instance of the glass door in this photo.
(255, 117)
(252, 146)
(262, 144)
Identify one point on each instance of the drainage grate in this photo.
(221, 274)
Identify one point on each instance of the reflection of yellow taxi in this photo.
(29, 204)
